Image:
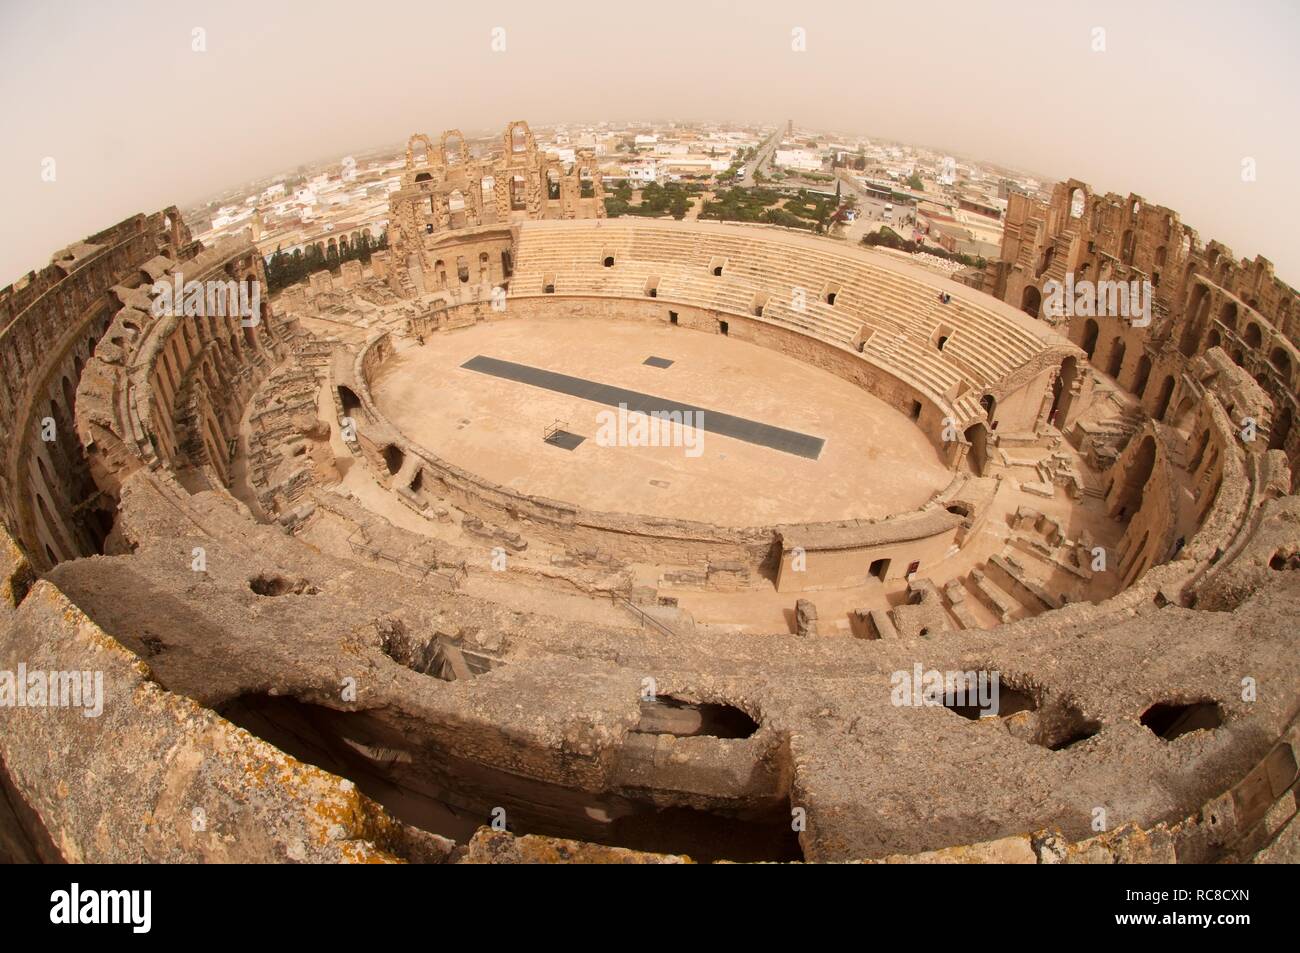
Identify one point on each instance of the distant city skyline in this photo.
(1178, 98)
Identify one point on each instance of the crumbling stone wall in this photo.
(563, 708)
(50, 324)
(172, 388)
(444, 192)
(1203, 297)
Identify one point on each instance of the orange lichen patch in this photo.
(19, 575)
(498, 847)
(355, 852)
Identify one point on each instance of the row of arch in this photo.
(517, 140)
(340, 243)
(1248, 329)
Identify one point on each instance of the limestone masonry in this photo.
(349, 600)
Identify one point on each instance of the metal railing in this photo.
(642, 616)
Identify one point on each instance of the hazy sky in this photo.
(136, 120)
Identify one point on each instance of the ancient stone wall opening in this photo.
(668, 715)
(440, 792)
(1172, 719)
(1027, 714)
(394, 458)
(273, 584)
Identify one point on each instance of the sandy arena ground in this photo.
(875, 461)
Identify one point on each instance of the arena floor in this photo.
(873, 461)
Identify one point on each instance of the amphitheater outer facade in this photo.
(274, 691)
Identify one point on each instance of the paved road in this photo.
(765, 151)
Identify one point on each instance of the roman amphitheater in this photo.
(366, 579)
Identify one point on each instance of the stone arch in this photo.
(1143, 374)
(1078, 203)
(1198, 303)
(977, 436)
(1049, 254)
(588, 178)
(51, 528)
(1183, 416)
(349, 400)
(1063, 392)
(1166, 394)
(1031, 301)
(1228, 315)
(1252, 335)
(1115, 360)
(462, 148)
(69, 397)
(417, 139)
(1127, 499)
(394, 457)
(518, 139)
(1281, 361)
(1202, 442)
(1089, 342)
(1281, 429)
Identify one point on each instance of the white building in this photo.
(805, 160)
(641, 173)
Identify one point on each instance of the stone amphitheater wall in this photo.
(165, 754)
(1203, 297)
(170, 391)
(50, 323)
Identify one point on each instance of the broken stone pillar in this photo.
(350, 274)
(321, 282)
(805, 618)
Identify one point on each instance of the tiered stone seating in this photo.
(899, 304)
